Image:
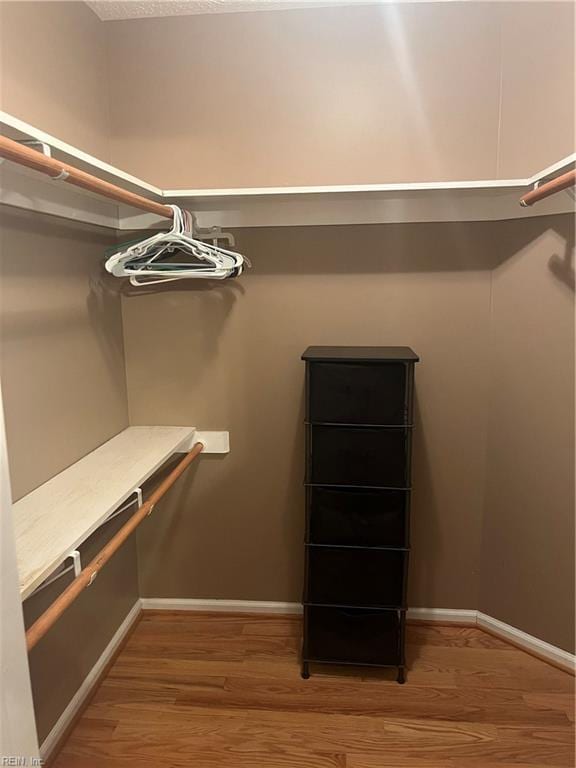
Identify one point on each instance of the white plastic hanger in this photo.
(152, 261)
(143, 261)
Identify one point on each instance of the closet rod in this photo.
(59, 171)
(549, 188)
(88, 574)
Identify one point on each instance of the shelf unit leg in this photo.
(401, 675)
(305, 670)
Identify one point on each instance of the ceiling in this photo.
(114, 10)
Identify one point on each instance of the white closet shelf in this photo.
(57, 517)
(430, 201)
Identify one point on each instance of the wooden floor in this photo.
(205, 690)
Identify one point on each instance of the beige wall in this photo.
(318, 96)
(53, 71)
(62, 356)
(538, 86)
(64, 393)
(367, 94)
(528, 545)
(229, 358)
(371, 94)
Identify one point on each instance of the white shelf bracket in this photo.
(76, 562)
(76, 566)
(138, 500)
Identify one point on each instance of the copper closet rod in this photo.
(549, 188)
(88, 574)
(57, 170)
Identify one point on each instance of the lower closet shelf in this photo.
(58, 516)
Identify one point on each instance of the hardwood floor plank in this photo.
(210, 759)
(182, 645)
(559, 702)
(297, 736)
(376, 699)
(541, 681)
(385, 761)
(202, 621)
(66, 760)
(452, 637)
(544, 748)
(475, 667)
(89, 728)
(461, 659)
(273, 626)
(127, 690)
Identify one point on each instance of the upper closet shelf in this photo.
(473, 200)
(57, 517)
(24, 188)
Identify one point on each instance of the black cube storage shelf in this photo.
(359, 420)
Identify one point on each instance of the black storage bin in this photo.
(358, 516)
(353, 636)
(355, 576)
(358, 393)
(359, 408)
(359, 456)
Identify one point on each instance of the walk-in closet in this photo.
(287, 343)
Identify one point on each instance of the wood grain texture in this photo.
(225, 690)
(60, 514)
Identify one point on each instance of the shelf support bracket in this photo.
(76, 566)
(138, 501)
(76, 562)
(46, 149)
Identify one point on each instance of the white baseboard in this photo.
(443, 615)
(88, 683)
(226, 606)
(527, 642)
(546, 651)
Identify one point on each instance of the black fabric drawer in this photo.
(341, 576)
(371, 518)
(358, 393)
(359, 456)
(352, 635)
